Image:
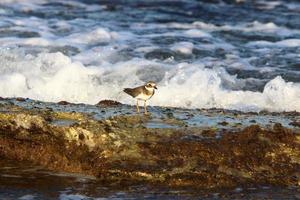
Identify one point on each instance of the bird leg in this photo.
(137, 106)
(145, 108)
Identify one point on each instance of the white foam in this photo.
(204, 26)
(234, 61)
(255, 26)
(219, 45)
(27, 197)
(260, 44)
(22, 1)
(81, 39)
(55, 77)
(268, 4)
(36, 42)
(293, 6)
(206, 91)
(282, 43)
(13, 84)
(196, 33)
(98, 35)
(183, 47)
(269, 27)
(202, 29)
(289, 43)
(75, 197)
(280, 93)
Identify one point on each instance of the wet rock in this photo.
(170, 115)
(223, 123)
(295, 123)
(63, 103)
(21, 99)
(209, 133)
(292, 113)
(108, 103)
(121, 150)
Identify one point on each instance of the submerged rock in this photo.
(121, 150)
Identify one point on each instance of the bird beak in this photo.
(155, 87)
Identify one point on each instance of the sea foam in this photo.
(55, 77)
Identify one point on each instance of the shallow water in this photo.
(24, 181)
(203, 54)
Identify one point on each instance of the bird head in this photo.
(150, 85)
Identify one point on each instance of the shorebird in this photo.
(144, 93)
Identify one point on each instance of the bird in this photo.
(144, 93)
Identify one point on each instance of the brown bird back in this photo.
(134, 91)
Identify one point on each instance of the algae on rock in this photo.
(122, 150)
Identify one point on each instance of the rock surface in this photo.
(123, 150)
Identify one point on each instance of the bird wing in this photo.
(133, 91)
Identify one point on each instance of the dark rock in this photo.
(295, 123)
(208, 133)
(63, 103)
(108, 103)
(21, 99)
(278, 127)
(292, 113)
(224, 123)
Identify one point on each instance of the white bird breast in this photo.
(143, 97)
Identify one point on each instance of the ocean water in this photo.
(48, 185)
(202, 54)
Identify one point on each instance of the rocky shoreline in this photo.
(123, 149)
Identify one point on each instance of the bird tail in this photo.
(128, 91)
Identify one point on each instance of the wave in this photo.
(55, 77)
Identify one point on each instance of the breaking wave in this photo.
(55, 77)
